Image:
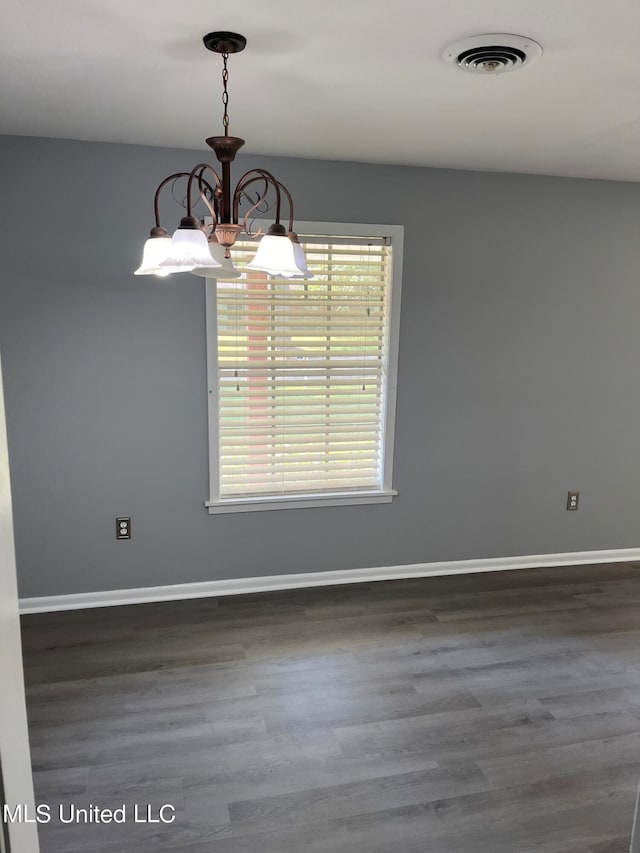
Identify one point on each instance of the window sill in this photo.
(384, 496)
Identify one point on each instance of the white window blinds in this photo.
(301, 371)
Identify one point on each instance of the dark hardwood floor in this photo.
(495, 713)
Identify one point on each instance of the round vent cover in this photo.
(493, 53)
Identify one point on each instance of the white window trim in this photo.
(386, 494)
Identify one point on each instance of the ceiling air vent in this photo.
(493, 53)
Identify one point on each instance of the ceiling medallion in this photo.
(205, 250)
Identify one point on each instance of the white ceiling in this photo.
(333, 79)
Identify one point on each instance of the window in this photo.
(302, 374)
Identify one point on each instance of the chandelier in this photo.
(205, 250)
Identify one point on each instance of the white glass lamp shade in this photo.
(276, 256)
(301, 263)
(155, 251)
(189, 250)
(219, 266)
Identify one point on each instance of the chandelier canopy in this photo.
(203, 249)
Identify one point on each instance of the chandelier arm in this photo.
(210, 208)
(156, 198)
(197, 172)
(242, 191)
(174, 177)
(260, 208)
(209, 197)
(290, 202)
(249, 178)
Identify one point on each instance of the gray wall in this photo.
(519, 373)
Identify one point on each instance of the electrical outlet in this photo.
(123, 528)
(572, 501)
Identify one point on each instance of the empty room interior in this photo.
(320, 489)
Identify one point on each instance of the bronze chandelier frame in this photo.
(214, 190)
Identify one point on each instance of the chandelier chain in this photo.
(225, 93)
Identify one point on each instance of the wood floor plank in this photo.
(206, 759)
(356, 798)
(291, 777)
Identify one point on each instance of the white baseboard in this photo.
(239, 586)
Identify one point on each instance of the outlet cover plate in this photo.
(123, 527)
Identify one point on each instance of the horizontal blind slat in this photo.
(304, 487)
(255, 468)
(270, 457)
(289, 364)
(300, 476)
(313, 395)
(255, 448)
(299, 432)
